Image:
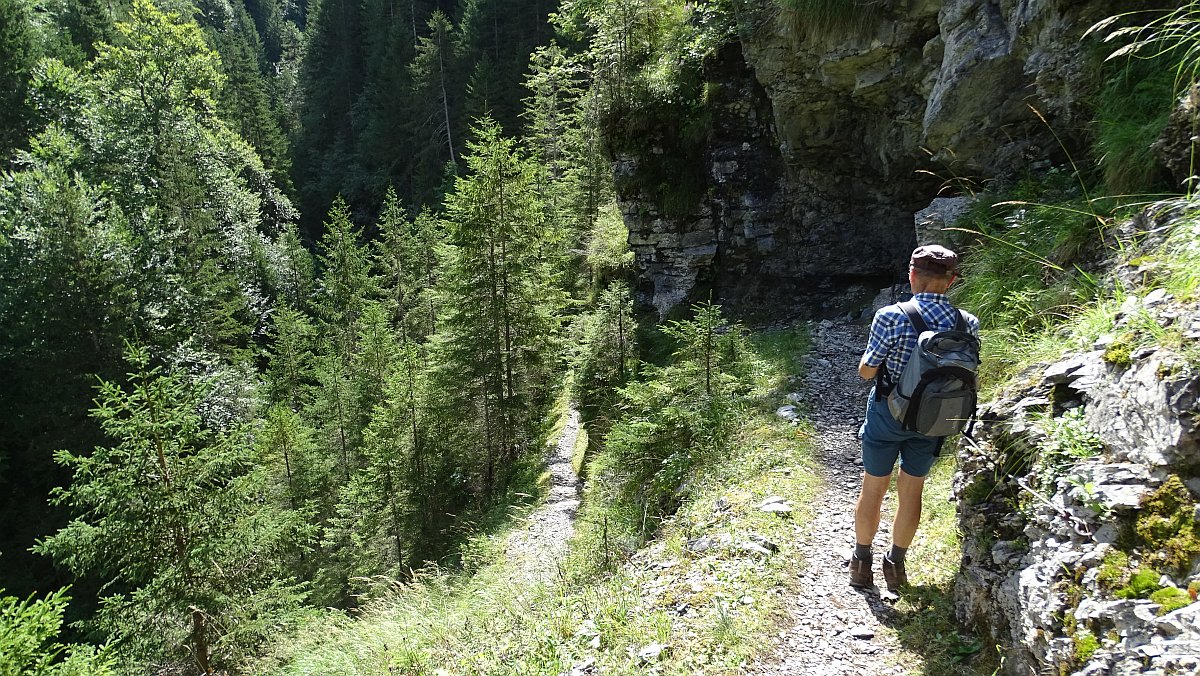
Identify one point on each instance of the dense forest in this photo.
(286, 289)
(293, 295)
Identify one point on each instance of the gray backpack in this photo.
(937, 392)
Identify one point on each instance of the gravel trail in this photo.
(836, 629)
(537, 549)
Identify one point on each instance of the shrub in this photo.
(28, 645)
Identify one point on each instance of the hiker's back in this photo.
(933, 389)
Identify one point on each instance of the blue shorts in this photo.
(884, 438)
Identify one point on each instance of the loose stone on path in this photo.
(543, 542)
(835, 629)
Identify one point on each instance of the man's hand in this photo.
(867, 372)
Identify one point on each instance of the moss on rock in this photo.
(1167, 526)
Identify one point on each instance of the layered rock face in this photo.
(824, 145)
(1079, 502)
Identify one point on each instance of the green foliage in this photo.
(172, 516)
(1086, 645)
(1068, 441)
(1173, 35)
(18, 53)
(245, 100)
(1141, 585)
(650, 58)
(1023, 268)
(494, 621)
(608, 254)
(405, 257)
(681, 416)
(28, 641)
(1130, 116)
(496, 341)
(1170, 598)
(607, 347)
(161, 48)
(1119, 352)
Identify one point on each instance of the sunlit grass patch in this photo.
(927, 624)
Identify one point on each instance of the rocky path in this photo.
(836, 629)
(537, 549)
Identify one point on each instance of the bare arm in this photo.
(867, 372)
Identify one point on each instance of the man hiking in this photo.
(892, 341)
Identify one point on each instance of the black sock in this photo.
(862, 552)
(897, 554)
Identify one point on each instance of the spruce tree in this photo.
(173, 514)
(500, 321)
(405, 258)
(436, 138)
(18, 53)
(345, 284)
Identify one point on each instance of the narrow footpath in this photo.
(836, 629)
(537, 549)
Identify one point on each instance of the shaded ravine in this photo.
(536, 550)
(835, 629)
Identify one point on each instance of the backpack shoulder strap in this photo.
(960, 324)
(913, 312)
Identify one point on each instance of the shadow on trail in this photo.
(923, 619)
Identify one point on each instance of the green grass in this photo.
(926, 623)
(1131, 114)
(817, 18)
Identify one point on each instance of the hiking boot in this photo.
(894, 575)
(860, 573)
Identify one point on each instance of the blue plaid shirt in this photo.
(893, 337)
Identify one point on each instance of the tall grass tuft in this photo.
(1024, 272)
(1173, 34)
(815, 18)
(1131, 114)
(1170, 38)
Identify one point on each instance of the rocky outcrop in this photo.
(1080, 501)
(824, 144)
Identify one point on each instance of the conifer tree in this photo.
(332, 82)
(173, 514)
(244, 99)
(290, 369)
(434, 70)
(405, 256)
(381, 513)
(607, 347)
(345, 284)
(499, 325)
(18, 53)
(28, 640)
(65, 303)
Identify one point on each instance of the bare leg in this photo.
(908, 509)
(870, 502)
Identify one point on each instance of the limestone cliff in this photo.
(1078, 502)
(823, 144)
